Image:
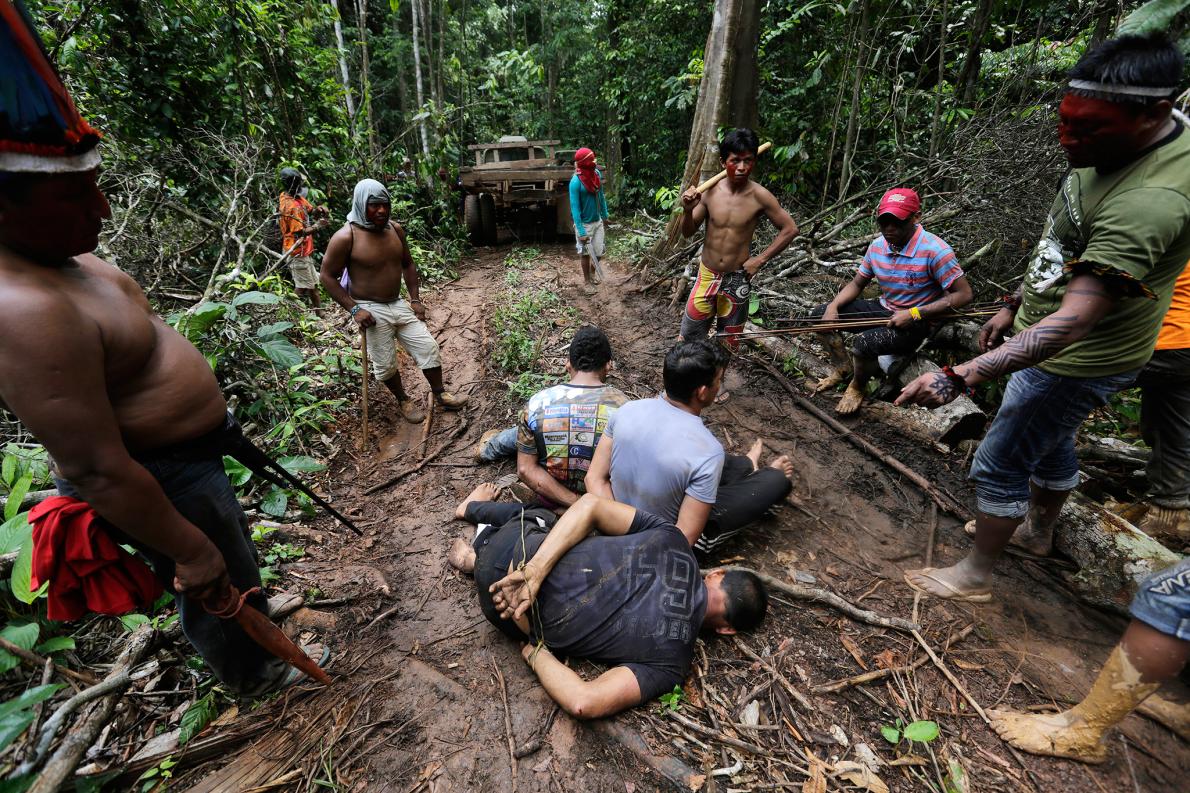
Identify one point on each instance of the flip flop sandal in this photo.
(955, 594)
(294, 675)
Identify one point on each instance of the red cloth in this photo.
(86, 568)
(584, 160)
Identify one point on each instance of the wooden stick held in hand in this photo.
(363, 335)
(714, 180)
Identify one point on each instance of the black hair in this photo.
(739, 141)
(590, 349)
(1150, 61)
(691, 365)
(291, 180)
(746, 598)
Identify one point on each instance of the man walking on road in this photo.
(1090, 306)
(374, 252)
(588, 210)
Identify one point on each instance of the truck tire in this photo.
(487, 217)
(473, 217)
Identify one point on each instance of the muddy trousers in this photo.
(744, 496)
(1165, 426)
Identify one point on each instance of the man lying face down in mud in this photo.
(604, 582)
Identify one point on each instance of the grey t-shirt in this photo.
(661, 454)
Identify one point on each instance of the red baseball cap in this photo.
(900, 201)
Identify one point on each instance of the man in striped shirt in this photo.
(919, 278)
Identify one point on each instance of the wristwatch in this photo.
(355, 309)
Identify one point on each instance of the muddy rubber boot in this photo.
(410, 410)
(1078, 733)
(450, 401)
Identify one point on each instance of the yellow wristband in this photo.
(915, 312)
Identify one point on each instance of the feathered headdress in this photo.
(41, 130)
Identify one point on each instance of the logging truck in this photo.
(520, 184)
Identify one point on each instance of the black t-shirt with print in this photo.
(636, 601)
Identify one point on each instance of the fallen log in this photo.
(961, 420)
(1113, 556)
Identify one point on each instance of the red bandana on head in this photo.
(584, 160)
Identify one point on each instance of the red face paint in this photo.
(739, 166)
(1095, 132)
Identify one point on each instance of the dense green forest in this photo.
(849, 92)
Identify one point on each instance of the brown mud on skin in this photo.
(856, 527)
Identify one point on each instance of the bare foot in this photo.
(1064, 734)
(852, 399)
(485, 492)
(951, 583)
(461, 556)
(754, 453)
(831, 380)
(783, 464)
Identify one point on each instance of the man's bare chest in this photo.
(125, 328)
(377, 251)
(728, 213)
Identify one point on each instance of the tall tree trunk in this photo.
(936, 121)
(342, 50)
(402, 75)
(973, 60)
(421, 124)
(861, 52)
(366, 79)
(441, 50)
(730, 49)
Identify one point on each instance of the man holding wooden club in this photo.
(731, 204)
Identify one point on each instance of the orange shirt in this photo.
(295, 216)
(1175, 330)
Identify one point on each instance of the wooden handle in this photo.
(363, 343)
(714, 180)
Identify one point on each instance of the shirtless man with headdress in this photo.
(374, 252)
(731, 210)
(129, 411)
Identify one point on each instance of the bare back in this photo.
(80, 347)
(373, 259)
(730, 225)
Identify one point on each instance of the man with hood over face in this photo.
(373, 250)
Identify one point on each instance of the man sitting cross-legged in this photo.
(629, 595)
(560, 426)
(656, 455)
(919, 278)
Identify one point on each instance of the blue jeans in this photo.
(199, 490)
(1032, 437)
(500, 446)
(1163, 601)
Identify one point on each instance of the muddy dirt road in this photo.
(418, 705)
